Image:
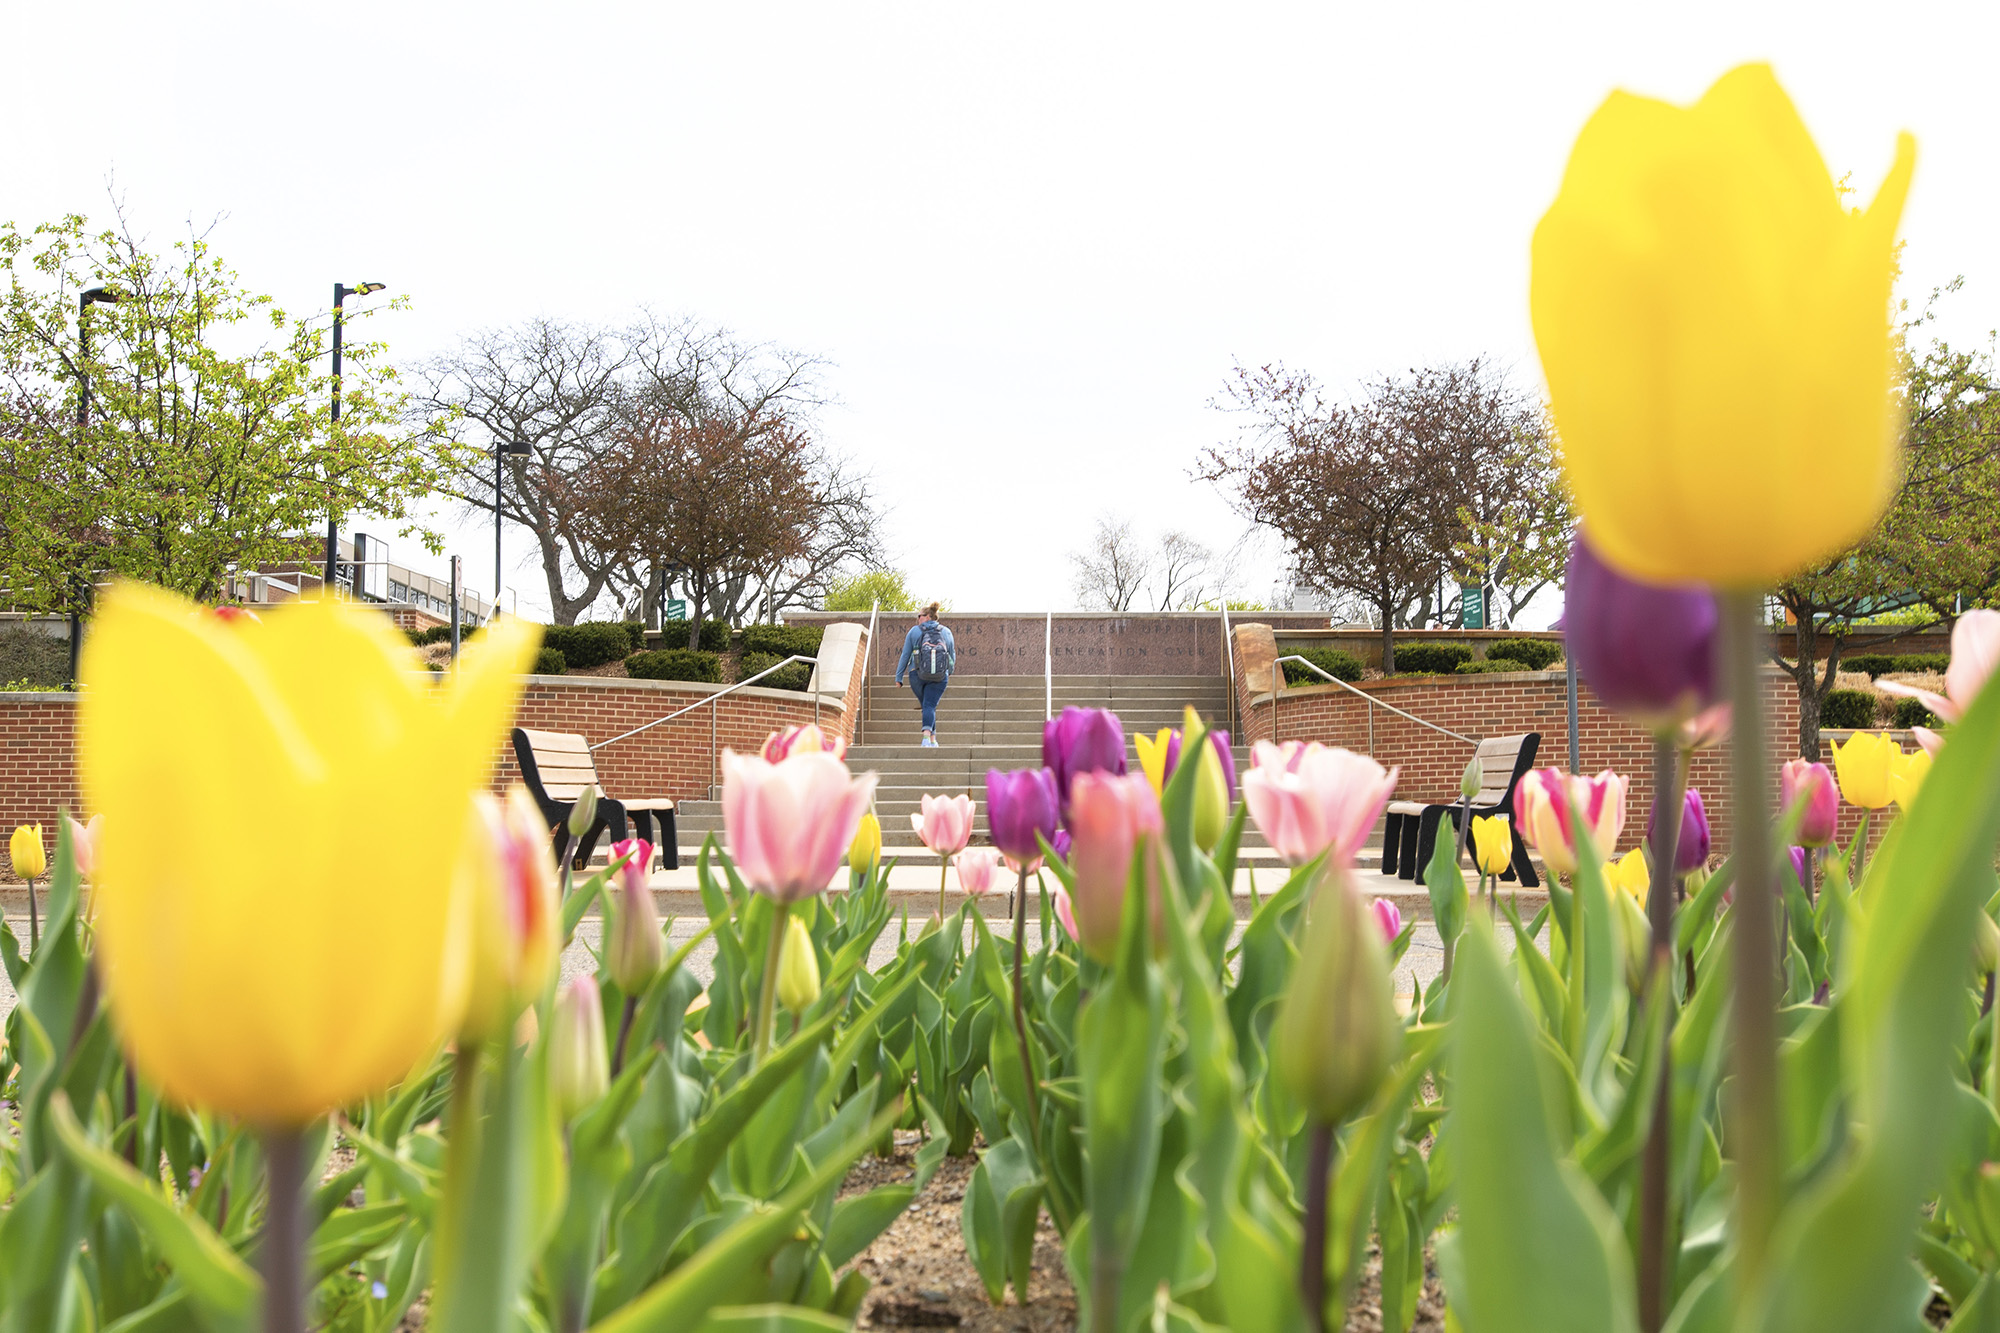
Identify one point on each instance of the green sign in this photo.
(1471, 606)
(676, 609)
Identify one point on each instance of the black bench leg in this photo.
(1523, 868)
(670, 843)
(1392, 830)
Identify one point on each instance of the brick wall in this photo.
(1500, 705)
(38, 768)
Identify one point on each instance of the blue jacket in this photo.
(910, 642)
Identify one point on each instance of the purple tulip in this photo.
(1061, 844)
(1021, 807)
(1799, 855)
(1220, 740)
(1691, 852)
(1644, 649)
(1082, 740)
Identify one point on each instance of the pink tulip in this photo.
(1549, 803)
(632, 876)
(1389, 918)
(1802, 780)
(782, 745)
(1065, 913)
(1975, 652)
(1110, 816)
(1309, 798)
(83, 842)
(789, 824)
(944, 823)
(978, 870)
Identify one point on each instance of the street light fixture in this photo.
(516, 449)
(78, 586)
(340, 293)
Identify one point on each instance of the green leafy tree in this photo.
(859, 592)
(207, 450)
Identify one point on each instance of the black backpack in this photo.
(933, 658)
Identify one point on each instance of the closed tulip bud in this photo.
(1713, 323)
(1907, 777)
(1630, 875)
(1336, 1032)
(1809, 786)
(1211, 800)
(515, 914)
(1986, 944)
(944, 823)
(1802, 867)
(1645, 650)
(634, 951)
(1308, 799)
(1864, 765)
(1389, 917)
(1693, 847)
(1549, 805)
(1081, 740)
(583, 814)
(83, 844)
(579, 1065)
(781, 745)
(1111, 817)
(788, 824)
(1470, 781)
(1492, 843)
(1635, 933)
(978, 870)
(865, 852)
(1022, 807)
(31, 859)
(798, 968)
(1157, 755)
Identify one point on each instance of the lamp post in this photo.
(501, 451)
(89, 297)
(340, 293)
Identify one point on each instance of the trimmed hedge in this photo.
(676, 664)
(1336, 662)
(1872, 663)
(783, 640)
(1848, 708)
(1921, 662)
(590, 644)
(1430, 659)
(549, 662)
(1492, 665)
(32, 660)
(794, 677)
(714, 635)
(1534, 654)
(1912, 713)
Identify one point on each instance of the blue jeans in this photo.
(928, 693)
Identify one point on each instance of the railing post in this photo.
(713, 712)
(1049, 666)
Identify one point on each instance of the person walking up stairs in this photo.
(929, 655)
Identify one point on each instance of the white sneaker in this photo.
(930, 741)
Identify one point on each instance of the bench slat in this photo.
(556, 742)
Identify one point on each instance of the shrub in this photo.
(794, 677)
(1533, 654)
(1430, 659)
(636, 631)
(32, 660)
(1848, 708)
(588, 645)
(676, 664)
(783, 640)
(1491, 665)
(714, 635)
(1912, 713)
(1920, 662)
(549, 662)
(1874, 664)
(1339, 664)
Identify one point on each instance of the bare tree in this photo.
(1110, 573)
(1181, 570)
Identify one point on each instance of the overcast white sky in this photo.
(1029, 239)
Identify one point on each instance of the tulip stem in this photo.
(132, 1111)
(767, 992)
(624, 1032)
(1021, 1017)
(1668, 797)
(1754, 1131)
(944, 868)
(1312, 1242)
(283, 1251)
(34, 920)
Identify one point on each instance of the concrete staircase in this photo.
(987, 722)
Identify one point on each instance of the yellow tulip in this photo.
(25, 849)
(1631, 874)
(1153, 751)
(865, 852)
(1907, 777)
(1492, 843)
(1863, 766)
(288, 846)
(1714, 328)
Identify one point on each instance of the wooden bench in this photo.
(557, 768)
(1410, 830)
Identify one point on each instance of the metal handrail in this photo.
(1049, 666)
(868, 670)
(724, 691)
(1229, 661)
(1277, 684)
